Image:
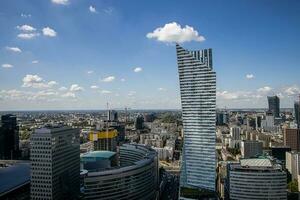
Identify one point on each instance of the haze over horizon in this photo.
(73, 55)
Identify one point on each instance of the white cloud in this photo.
(35, 62)
(173, 32)
(75, 88)
(25, 15)
(61, 2)
(28, 35)
(292, 90)
(137, 69)
(47, 31)
(90, 71)
(264, 89)
(26, 28)
(249, 76)
(227, 95)
(92, 9)
(94, 87)
(69, 94)
(106, 92)
(36, 81)
(108, 79)
(123, 79)
(14, 49)
(7, 65)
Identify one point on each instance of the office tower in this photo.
(297, 112)
(293, 164)
(105, 140)
(112, 115)
(250, 149)
(222, 118)
(198, 101)
(55, 163)
(291, 137)
(139, 122)
(274, 105)
(256, 179)
(9, 137)
(280, 153)
(268, 123)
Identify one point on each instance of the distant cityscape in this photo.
(199, 152)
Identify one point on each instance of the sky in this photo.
(81, 54)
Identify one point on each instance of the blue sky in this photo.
(80, 54)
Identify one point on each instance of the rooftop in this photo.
(14, 176)
(256, 162)
(97, 155)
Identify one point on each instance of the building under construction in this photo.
(104, 140)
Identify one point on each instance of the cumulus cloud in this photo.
(14, 49)
(76, 88)
(227, 95)
(292, 90)
(109, 10)
(123, 79)
(35, 62)
(131, 93)
(249, 76)
(137, 69)
(26, 28)
(264, 89)
(108, 79)
(61, 2)
(173, 32)
(28, 35)
(47, 31)
(92, 9)
(36, 81)
(94, 87)
(6, 65)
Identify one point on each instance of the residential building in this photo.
(250, 149)
(291, 138)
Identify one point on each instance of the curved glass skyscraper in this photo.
(198, 100)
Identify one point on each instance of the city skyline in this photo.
(65, 54)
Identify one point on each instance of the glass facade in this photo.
(198, 100)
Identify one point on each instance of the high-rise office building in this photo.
(274, 105)
(55, 163)
(250, 149)
(112, 115)
(291, 138)
(198, 101)
(139, 122)
(235, 133)
(9, 137)
(297, 112)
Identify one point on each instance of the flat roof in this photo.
(14, 176)
(98, 155)
(256, 162)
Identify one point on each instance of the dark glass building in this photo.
(297, 113)
(274, 105)
(9, 137)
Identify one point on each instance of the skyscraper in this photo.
(55, 163)
(198, 101)
(9, 137)
(297, 112)
(274, 105)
